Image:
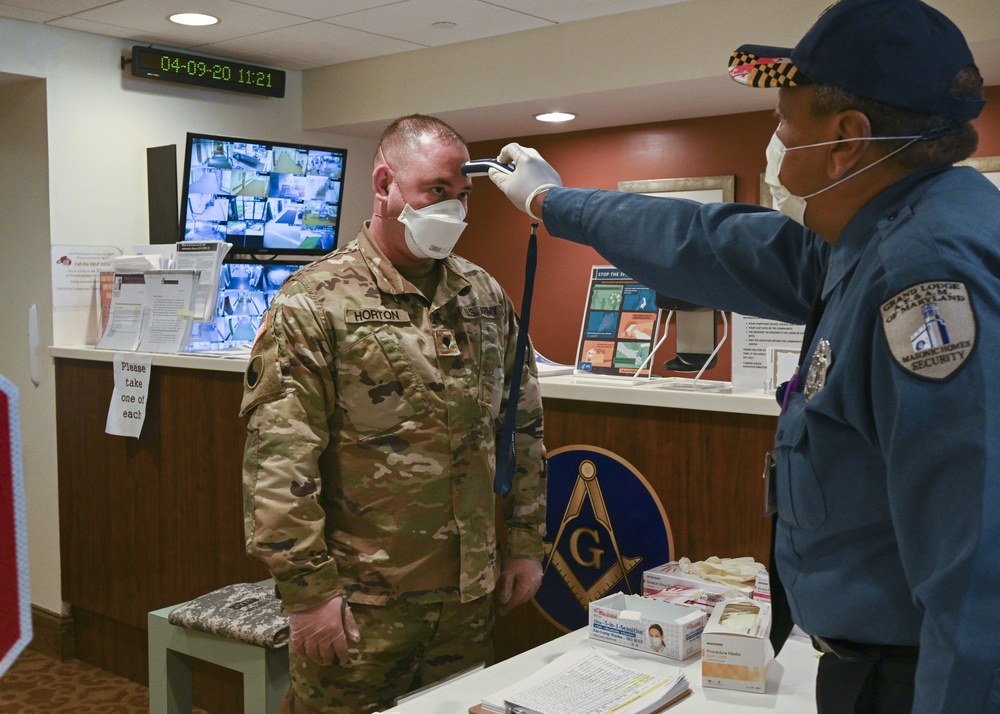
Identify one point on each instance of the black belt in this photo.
(855, 651)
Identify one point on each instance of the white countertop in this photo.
(791, 681)
(231, 362)
(674, 392)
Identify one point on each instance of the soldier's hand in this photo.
(320, 633)
(519, 581)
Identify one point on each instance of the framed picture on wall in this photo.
(706, 189)
(695, 327)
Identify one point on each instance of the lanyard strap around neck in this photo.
(506, 449)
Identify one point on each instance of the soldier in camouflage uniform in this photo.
(376, 390)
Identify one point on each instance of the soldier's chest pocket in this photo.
(490, 367)
(378, 387)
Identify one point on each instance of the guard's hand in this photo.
(519, 581)
(532, 175)
(320, 633)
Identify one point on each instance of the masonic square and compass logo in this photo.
(604, 526)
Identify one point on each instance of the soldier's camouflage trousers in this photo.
(402, 648)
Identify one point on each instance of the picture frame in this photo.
(704, 189)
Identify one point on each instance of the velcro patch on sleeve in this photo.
(930, 328)
(262, 379)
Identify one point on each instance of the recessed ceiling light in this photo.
(195, 19)
(444, 25)
(555, 116)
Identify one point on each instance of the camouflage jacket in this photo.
(371, 442)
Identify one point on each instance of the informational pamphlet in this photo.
(123, 326)
(170, 302)
(620, 322)
(765, 353)
(150, 311)
(205, 256)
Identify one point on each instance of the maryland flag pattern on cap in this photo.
(755, 70)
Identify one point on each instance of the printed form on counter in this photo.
(587, 681)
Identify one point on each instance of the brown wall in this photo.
(726, 145)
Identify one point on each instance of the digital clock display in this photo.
(207, 72)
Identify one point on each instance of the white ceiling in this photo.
(300, 34)
(309, 34)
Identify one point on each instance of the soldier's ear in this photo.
(381, 180)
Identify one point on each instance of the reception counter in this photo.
(154, 521)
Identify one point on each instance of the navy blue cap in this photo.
(900, 52)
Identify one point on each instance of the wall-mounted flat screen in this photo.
(245, 292)
(265, 198)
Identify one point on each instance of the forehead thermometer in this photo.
(481, 167)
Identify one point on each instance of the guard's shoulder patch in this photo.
(262, 379)
(930, 328)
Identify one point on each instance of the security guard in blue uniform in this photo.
(886, 466)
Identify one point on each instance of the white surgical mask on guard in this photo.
(433, 231)
(795, 206)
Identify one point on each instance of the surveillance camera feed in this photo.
(276, 204)
(245, 292)
(263, 198)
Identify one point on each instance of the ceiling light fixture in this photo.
(555, 116)
(444, 25)
(194, 19)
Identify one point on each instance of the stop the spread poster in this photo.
(619, 324)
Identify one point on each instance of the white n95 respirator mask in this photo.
(432, 231)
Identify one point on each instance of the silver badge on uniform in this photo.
(818, 367)
(930, 328)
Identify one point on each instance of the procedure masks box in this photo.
(647, 625)
(736, 651)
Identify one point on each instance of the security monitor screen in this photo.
(245, 292)
(264, 198)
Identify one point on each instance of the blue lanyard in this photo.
(506, 450)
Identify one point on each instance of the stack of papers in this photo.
(547, 368)
(585, 681)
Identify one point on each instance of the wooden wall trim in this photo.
(53, 634)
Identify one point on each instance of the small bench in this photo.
(265, 670)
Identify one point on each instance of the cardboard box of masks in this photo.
(647, 625)
(736, 650)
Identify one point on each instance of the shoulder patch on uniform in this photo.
(262, 378)
(930, 328)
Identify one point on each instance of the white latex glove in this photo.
(321, 632)
(532, 175)
(519, 581)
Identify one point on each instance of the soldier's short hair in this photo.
(403, 135)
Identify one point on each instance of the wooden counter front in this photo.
(705, 467)
(149, 522)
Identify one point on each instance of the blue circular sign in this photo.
(604, 527)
